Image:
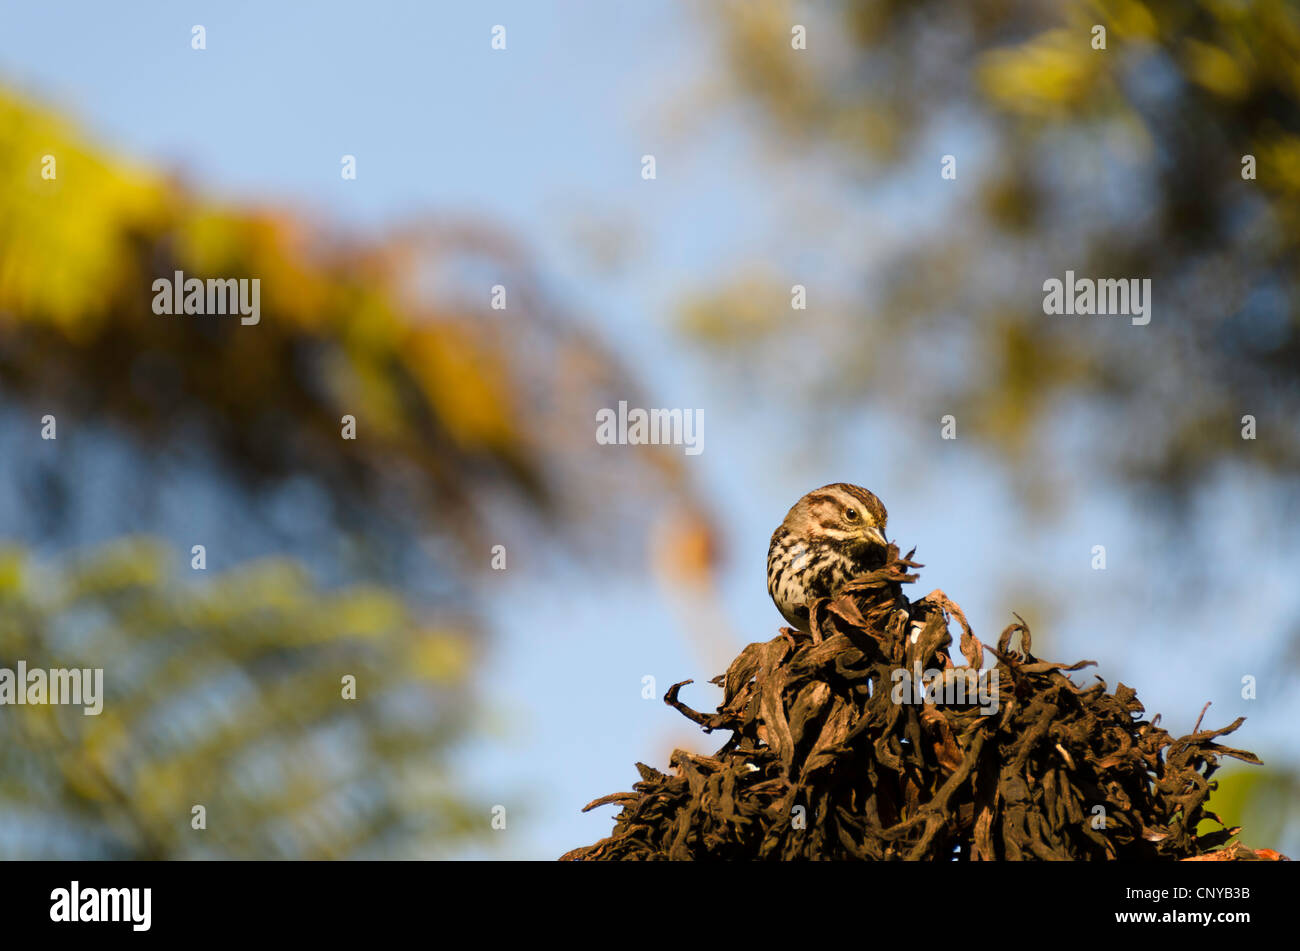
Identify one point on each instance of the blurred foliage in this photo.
(460, 408)
(1123, 162)
(229, 696)
(1260, 801)
(474, 426)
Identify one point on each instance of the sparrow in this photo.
(828, 537)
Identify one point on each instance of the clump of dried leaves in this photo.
(823, 762)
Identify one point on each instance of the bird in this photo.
(830, 536)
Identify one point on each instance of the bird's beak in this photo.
(875, 536)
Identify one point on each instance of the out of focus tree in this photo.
(1122, 162)
(460, 407)
(231, 697)
(1171, 152)
(474, 428)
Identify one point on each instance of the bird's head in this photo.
(843, 514)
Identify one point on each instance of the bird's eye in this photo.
(851, 514)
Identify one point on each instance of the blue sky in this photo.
(544, 140)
